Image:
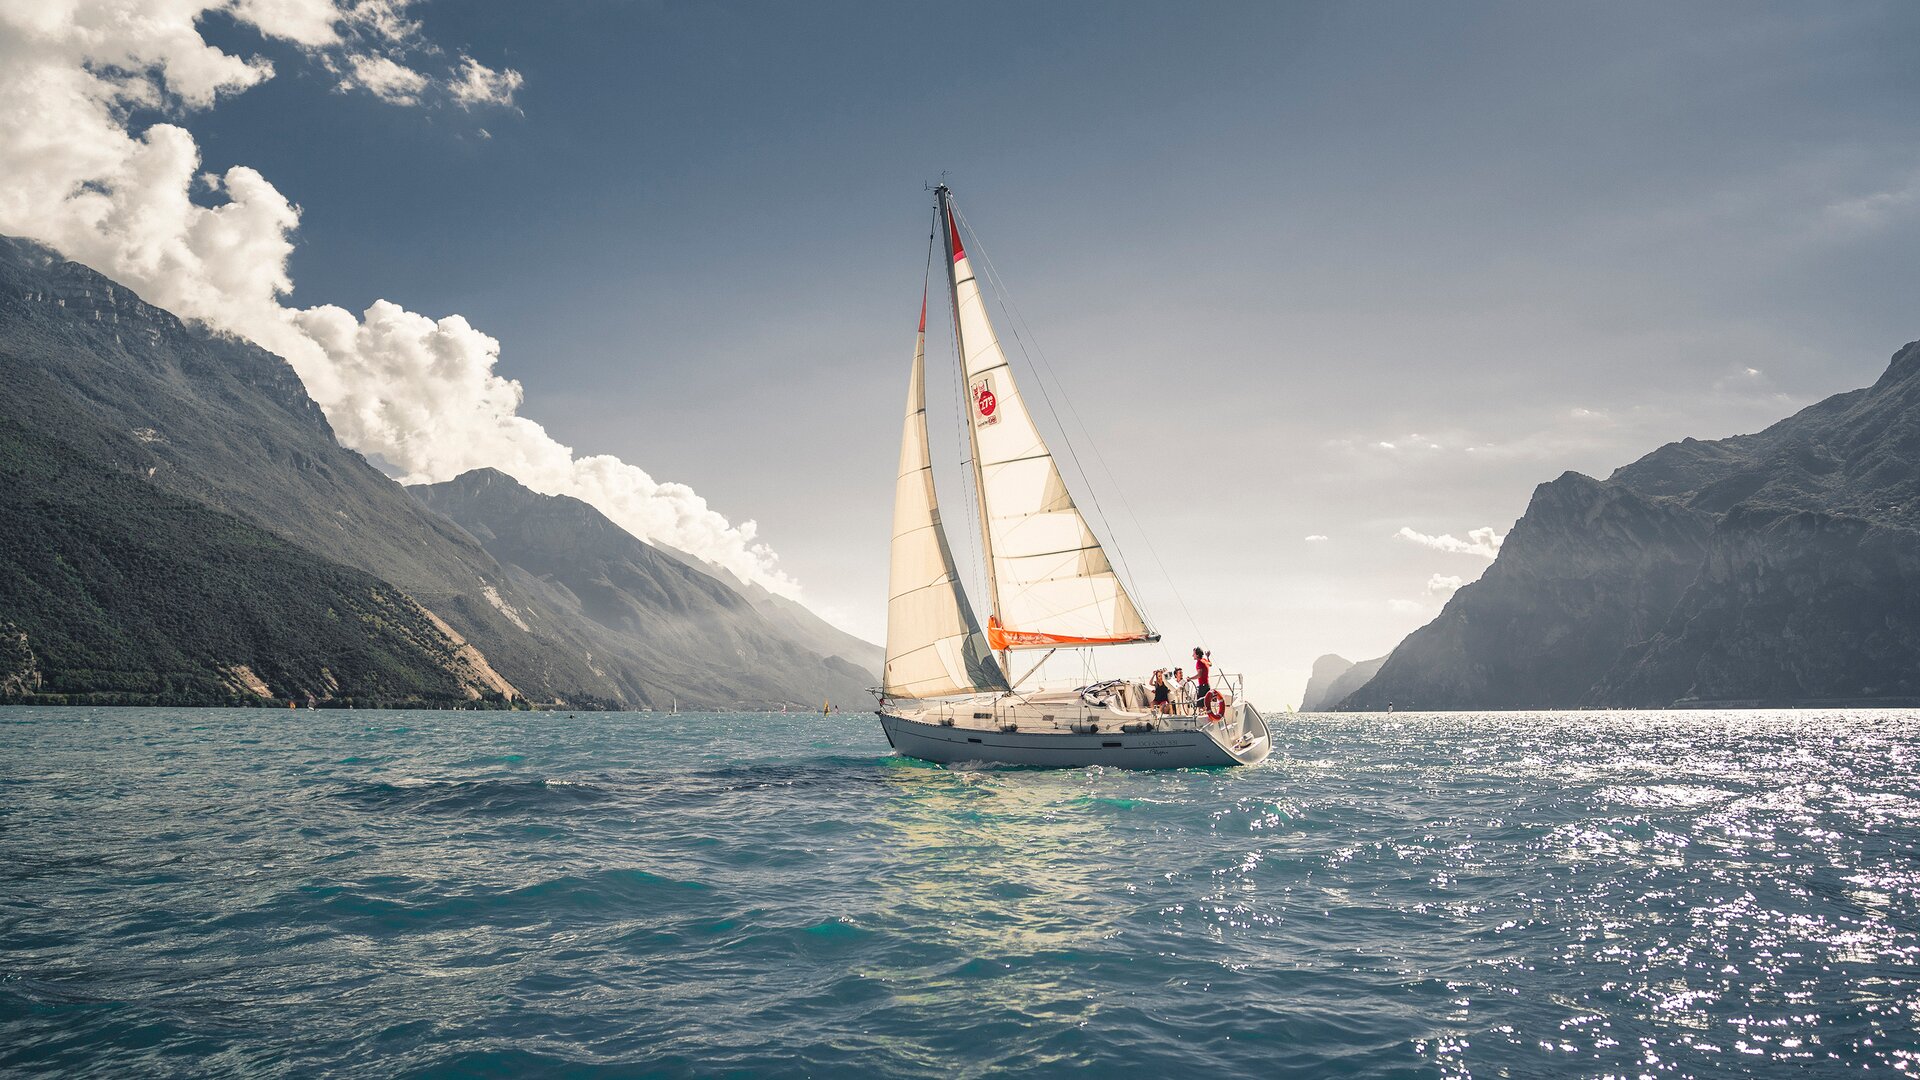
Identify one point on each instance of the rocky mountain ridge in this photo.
(1777, 568)
(693, 634)
(117, 388)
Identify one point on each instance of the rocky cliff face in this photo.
(1350, 682)
(1589, 570)
(1788, 607)
(1775, 568)
(1325, 670)
(1334, 678)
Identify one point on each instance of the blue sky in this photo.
(1313, 270)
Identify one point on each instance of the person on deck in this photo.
(1202, 676)
(1162, 693)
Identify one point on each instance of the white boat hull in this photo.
(1243, 740)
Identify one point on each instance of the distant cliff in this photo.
(1334, 678)
(1776, 568)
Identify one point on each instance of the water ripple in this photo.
(422, 894)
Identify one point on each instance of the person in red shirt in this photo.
(1202, 676)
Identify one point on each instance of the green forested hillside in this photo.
(113, 591)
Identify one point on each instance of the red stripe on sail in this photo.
(923, 311)
(953, 233)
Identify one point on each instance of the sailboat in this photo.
(950, 693)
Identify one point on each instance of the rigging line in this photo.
(1043, 371)
(926, 279)
(1015, 321)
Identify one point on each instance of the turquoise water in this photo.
(220, 891)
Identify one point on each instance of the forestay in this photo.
(934, 644)
(1052, 583)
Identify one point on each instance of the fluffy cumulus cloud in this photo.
(1317, 538)
(1444, 584)
(384, 78)
(419, 395)
(1484, 542)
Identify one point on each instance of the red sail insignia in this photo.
(986, 406)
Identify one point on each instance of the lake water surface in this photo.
(277, 893)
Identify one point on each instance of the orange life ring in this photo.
(1216, 706)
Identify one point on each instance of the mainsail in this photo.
(934, 645)
(1051, 582)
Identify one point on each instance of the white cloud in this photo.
(1415, 441)
(1484, 542)
(478, 84)
(384, 78)
(1879, 208)
(309, 23)
(1316, 538)
(1750, 384)
(1444, 584)
(420, 395)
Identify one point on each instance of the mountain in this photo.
(802, 625)
(697, 638)
(1590, 569)
(1333, 678)
(227, 425)
(113, 591)
(793, 619)
(112, 387)
(1777, 568)
(1326, 670)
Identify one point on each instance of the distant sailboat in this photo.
(947, 696)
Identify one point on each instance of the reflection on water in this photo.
(1520, 894)
(1007, 863)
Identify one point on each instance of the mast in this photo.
(955, 252)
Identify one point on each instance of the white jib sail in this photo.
(934, 645)
(1052, 583)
